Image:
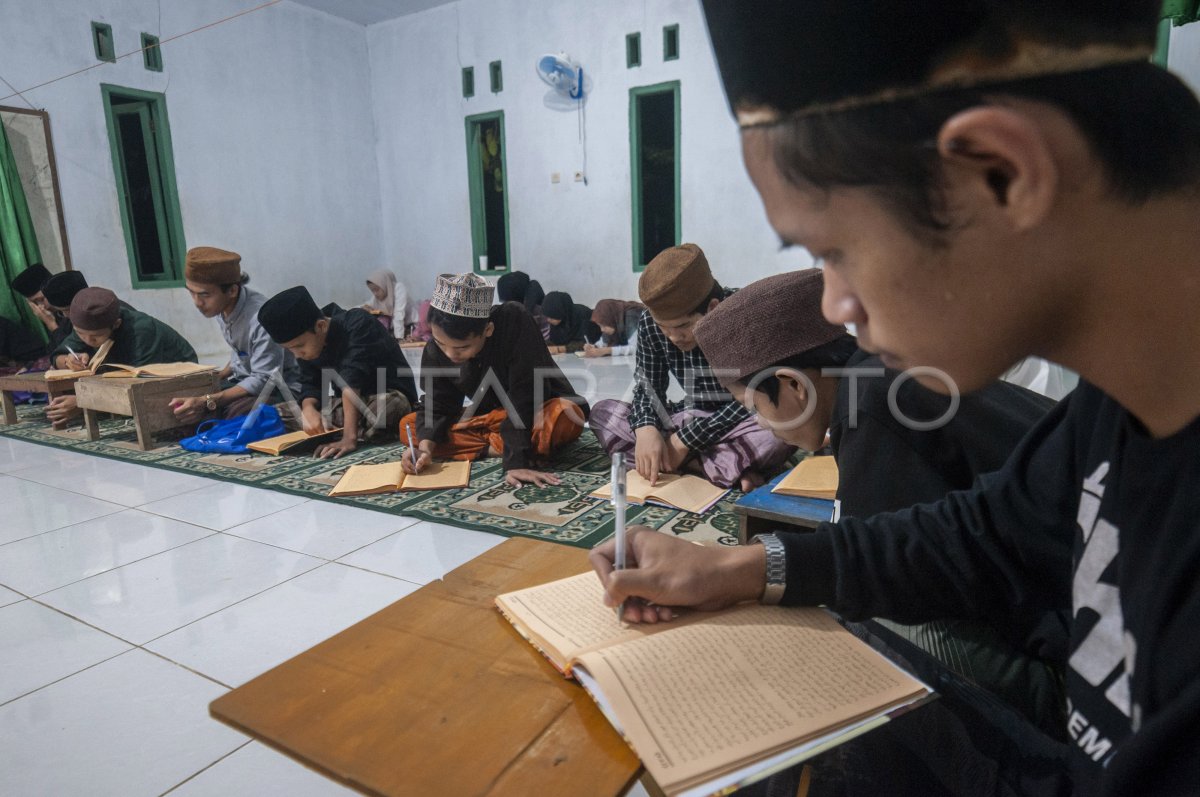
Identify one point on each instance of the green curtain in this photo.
(18, 243)
(1179, 12)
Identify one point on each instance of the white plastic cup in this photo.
(483, 266)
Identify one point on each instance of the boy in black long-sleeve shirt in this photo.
(984, 191)
(352, 353)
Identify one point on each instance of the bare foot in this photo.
(751, 480)
(492, 452)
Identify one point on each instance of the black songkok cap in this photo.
(289, 314)
(781, 58)
(60, 289)
(31, 280)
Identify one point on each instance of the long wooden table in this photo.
(438, 694)
(34, 382)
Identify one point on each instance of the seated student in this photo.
(571, 325)
(516, 286)
(496, 358)
(20, 349)
(421, 330)
(618, 322)
(30, 284)
(896, 443)
(349, 351)
(708, 431)
(389, 303)
(217, 285)
(97, 316)
(59, 291)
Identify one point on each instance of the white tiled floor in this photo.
(131, 597)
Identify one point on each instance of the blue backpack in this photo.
(231, 436)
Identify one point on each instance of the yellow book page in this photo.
(157, 369)
(439, 476)
(369, 479)
(726, 689)
(689, 493)
(94, 362)
(277, 445)
(564, 618)
(815, 477)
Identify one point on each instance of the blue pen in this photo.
(412, 447)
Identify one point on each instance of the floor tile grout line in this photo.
(68, 675)
(88, 495)
(67, 526)
(202, 770)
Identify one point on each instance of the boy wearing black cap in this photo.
(522, 407)
(29, 283)
(708, 431)
(97, 316)
(352, 353)
(1013, 178)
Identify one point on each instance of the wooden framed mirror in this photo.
(33, 149)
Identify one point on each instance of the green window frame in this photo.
(146, 112)
(633, 50)
(635, 166)
(670, 42)
(496, 74)
(151, 53)
(476, 185)
(468, 82)
(102, 40)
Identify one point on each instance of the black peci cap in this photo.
(31, 280)
(289, 314)
(61, 288)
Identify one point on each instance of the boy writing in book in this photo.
(986, 187)
(896, 444)
(97, 316)
(522, 408)
(708, 432)
(352, 353)
(215, 281)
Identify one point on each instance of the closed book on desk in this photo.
(389, 477)
(94, 362)
(712, 701)
(293, 442)
(814, 477)
(689, 493)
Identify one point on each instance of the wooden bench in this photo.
(438, 694)
(145, 399)
(34, 383)
(762, 510)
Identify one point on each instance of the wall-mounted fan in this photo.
(565, 78)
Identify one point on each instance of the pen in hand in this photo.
(618, 502)
(412, 449)
(74, 355)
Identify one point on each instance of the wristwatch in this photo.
(210, 403)
(776, 568)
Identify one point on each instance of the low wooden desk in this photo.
(34, 383)
(761, 510)
(438, 694)
(145, 399)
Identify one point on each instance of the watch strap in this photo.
(776, 568)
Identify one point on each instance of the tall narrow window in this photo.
(670, 42)
(151, 54)
(497, 77)
(140, 137)
(633, 50)
(468, 81)
(487, 181)
(654, 162)
(102, 40)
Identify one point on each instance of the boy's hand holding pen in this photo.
(417, 457)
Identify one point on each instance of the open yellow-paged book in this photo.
(713, 701)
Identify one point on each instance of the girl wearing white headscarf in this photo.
(389, 300)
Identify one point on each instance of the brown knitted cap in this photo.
(766, 323)
(675, 282)
(93, 309)
(212, 266)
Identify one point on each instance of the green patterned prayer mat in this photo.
(563, 513)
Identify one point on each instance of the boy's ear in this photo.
(117, 324)
(322, 325)
(1003, 157)
(795, 381)
(489, 329)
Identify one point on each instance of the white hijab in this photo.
(385, 279)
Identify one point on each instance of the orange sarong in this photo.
(560, 423)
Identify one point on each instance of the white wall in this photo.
(271, 127)
(1183, 54)
(567, 235)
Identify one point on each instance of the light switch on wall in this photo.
(579, 177)
(555, 177)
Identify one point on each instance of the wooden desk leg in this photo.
(91, 421)
(10, 409)
(743, 529)
(144, 435)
